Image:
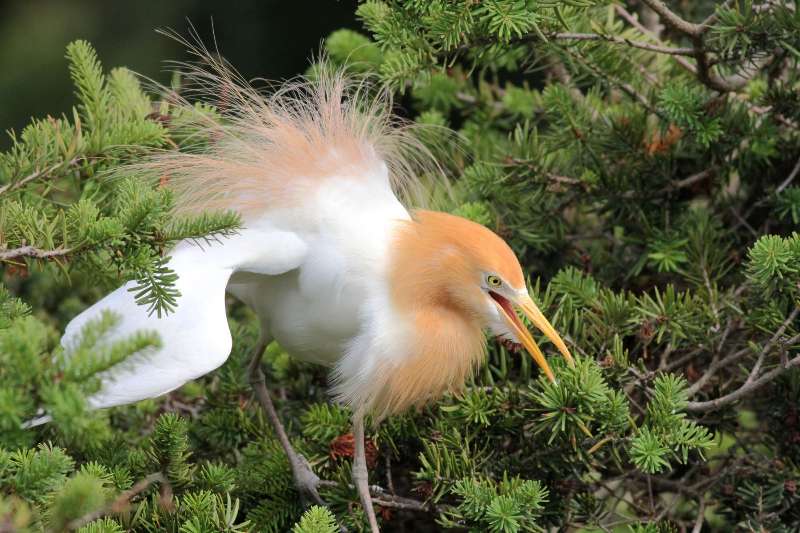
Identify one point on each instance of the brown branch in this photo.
(13, 186)
(792, 175)
(744, 390)
(695, 32)
(717, 363)
(701, 511)
(731, 83)
(621, 11)
(627, 88)
(623, 41)
(673, 20)
(712, 18)
(388, 467)
(120, 503)
(34, 253)
(569, 36)
(382, 497)
(763, 110)
(691, 180)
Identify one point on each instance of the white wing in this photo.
(316, 164)
(195, 338)
(307, 272)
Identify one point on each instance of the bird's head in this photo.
(481, 274)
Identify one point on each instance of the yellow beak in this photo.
(525, 303)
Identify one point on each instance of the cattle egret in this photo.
(336, 268)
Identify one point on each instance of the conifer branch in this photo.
(120, 502)
(752, 382)
(384, 498)
(691, 180)
(624, 13)
(46, 173)
(704, 67)
(673, 20)
(717, 363)
(668, 50)
(747, 388)
(536, 37)
(34, 253)
(790, 178)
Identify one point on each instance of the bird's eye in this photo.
(493, 281)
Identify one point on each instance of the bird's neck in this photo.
(447, 340)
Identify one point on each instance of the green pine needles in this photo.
(642, 158)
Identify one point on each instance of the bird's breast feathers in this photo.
(347, 226)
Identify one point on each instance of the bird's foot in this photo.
(306, 481)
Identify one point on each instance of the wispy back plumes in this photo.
(264, 151)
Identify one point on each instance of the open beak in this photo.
(525, 303)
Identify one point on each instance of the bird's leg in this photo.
(360, 473)
(305, 479)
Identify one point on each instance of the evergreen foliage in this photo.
(643, 166)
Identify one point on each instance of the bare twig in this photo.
(717, 363)
(389, 481)
(13, 186)
(33, 252)
(621, 11)
(691, 180)
(742, 219)
(744, 390)
(750, 385)
(698, 523)
(120, 503)
(569, 36)
(398, 502)
(673, 20)
(792, 175)
(763, 110)
(382, 497)
(626, 42)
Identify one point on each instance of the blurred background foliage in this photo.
(262, 38)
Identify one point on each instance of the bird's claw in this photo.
(306, 482)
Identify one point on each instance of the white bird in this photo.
(336, 268)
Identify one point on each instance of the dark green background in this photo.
(272, 39)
